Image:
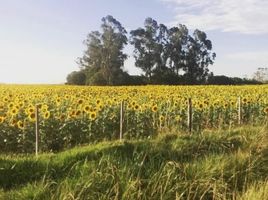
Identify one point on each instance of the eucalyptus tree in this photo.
(149, 47)
(176, 48)
(103, 59)
(198, 56)
(168, 54)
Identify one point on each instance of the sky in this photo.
(40, 40)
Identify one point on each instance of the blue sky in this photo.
(40, 40)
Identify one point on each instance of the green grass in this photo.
(224, 164)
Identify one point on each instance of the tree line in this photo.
(165, 56)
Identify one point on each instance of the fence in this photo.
(122, 118)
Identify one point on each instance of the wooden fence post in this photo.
(36, 129)
(190, 115)
(239, 111)
(121, 119)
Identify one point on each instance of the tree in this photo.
(225, 80)
(103, 59)
(261, 74)
(198, 57)
(169, 54)
(149, 43)
(176, 48)
(76, 78)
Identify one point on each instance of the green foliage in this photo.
(224, 80)
(104, 58)
(76, 78)
(214, 165)
(164, 53)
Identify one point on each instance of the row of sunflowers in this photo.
(73, 115)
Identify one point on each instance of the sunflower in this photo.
(11, 105)
(92, 115)
(13, 122)
(266, 110)
(62, 117)
(71, 114)
(87, 108)
(14, 111)
(154, 108)
(46, 115)
(32, 117)
(129, 106)
(78, 112)
(44, 107)
(2, 119)
(98, 101)
(161, 118)
(99, 107)
(58, 100)
(200, 106)
(30, 110)
(136, 107)
(20, 125)
(21, 104)
(80, 101)
(2, 107)
(109, 102)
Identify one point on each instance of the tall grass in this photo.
(229, 164)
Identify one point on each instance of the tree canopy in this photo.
(165, 55)
(171, 53)
(104, 58)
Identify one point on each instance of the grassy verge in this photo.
(213, 165)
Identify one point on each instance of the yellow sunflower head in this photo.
(136, 107)
(32, 117)
(161, 118)
(46, 115)
(92, 115)
(14, 111)
(154, 108)
(2, 119)
(200, 106)
(20, 125)
(80, 101)
(87, 108)
(13, 122)
(98, 101)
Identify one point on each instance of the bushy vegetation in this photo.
(223, 164)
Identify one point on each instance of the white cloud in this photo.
(243, 16)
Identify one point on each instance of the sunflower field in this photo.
(74, 115)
